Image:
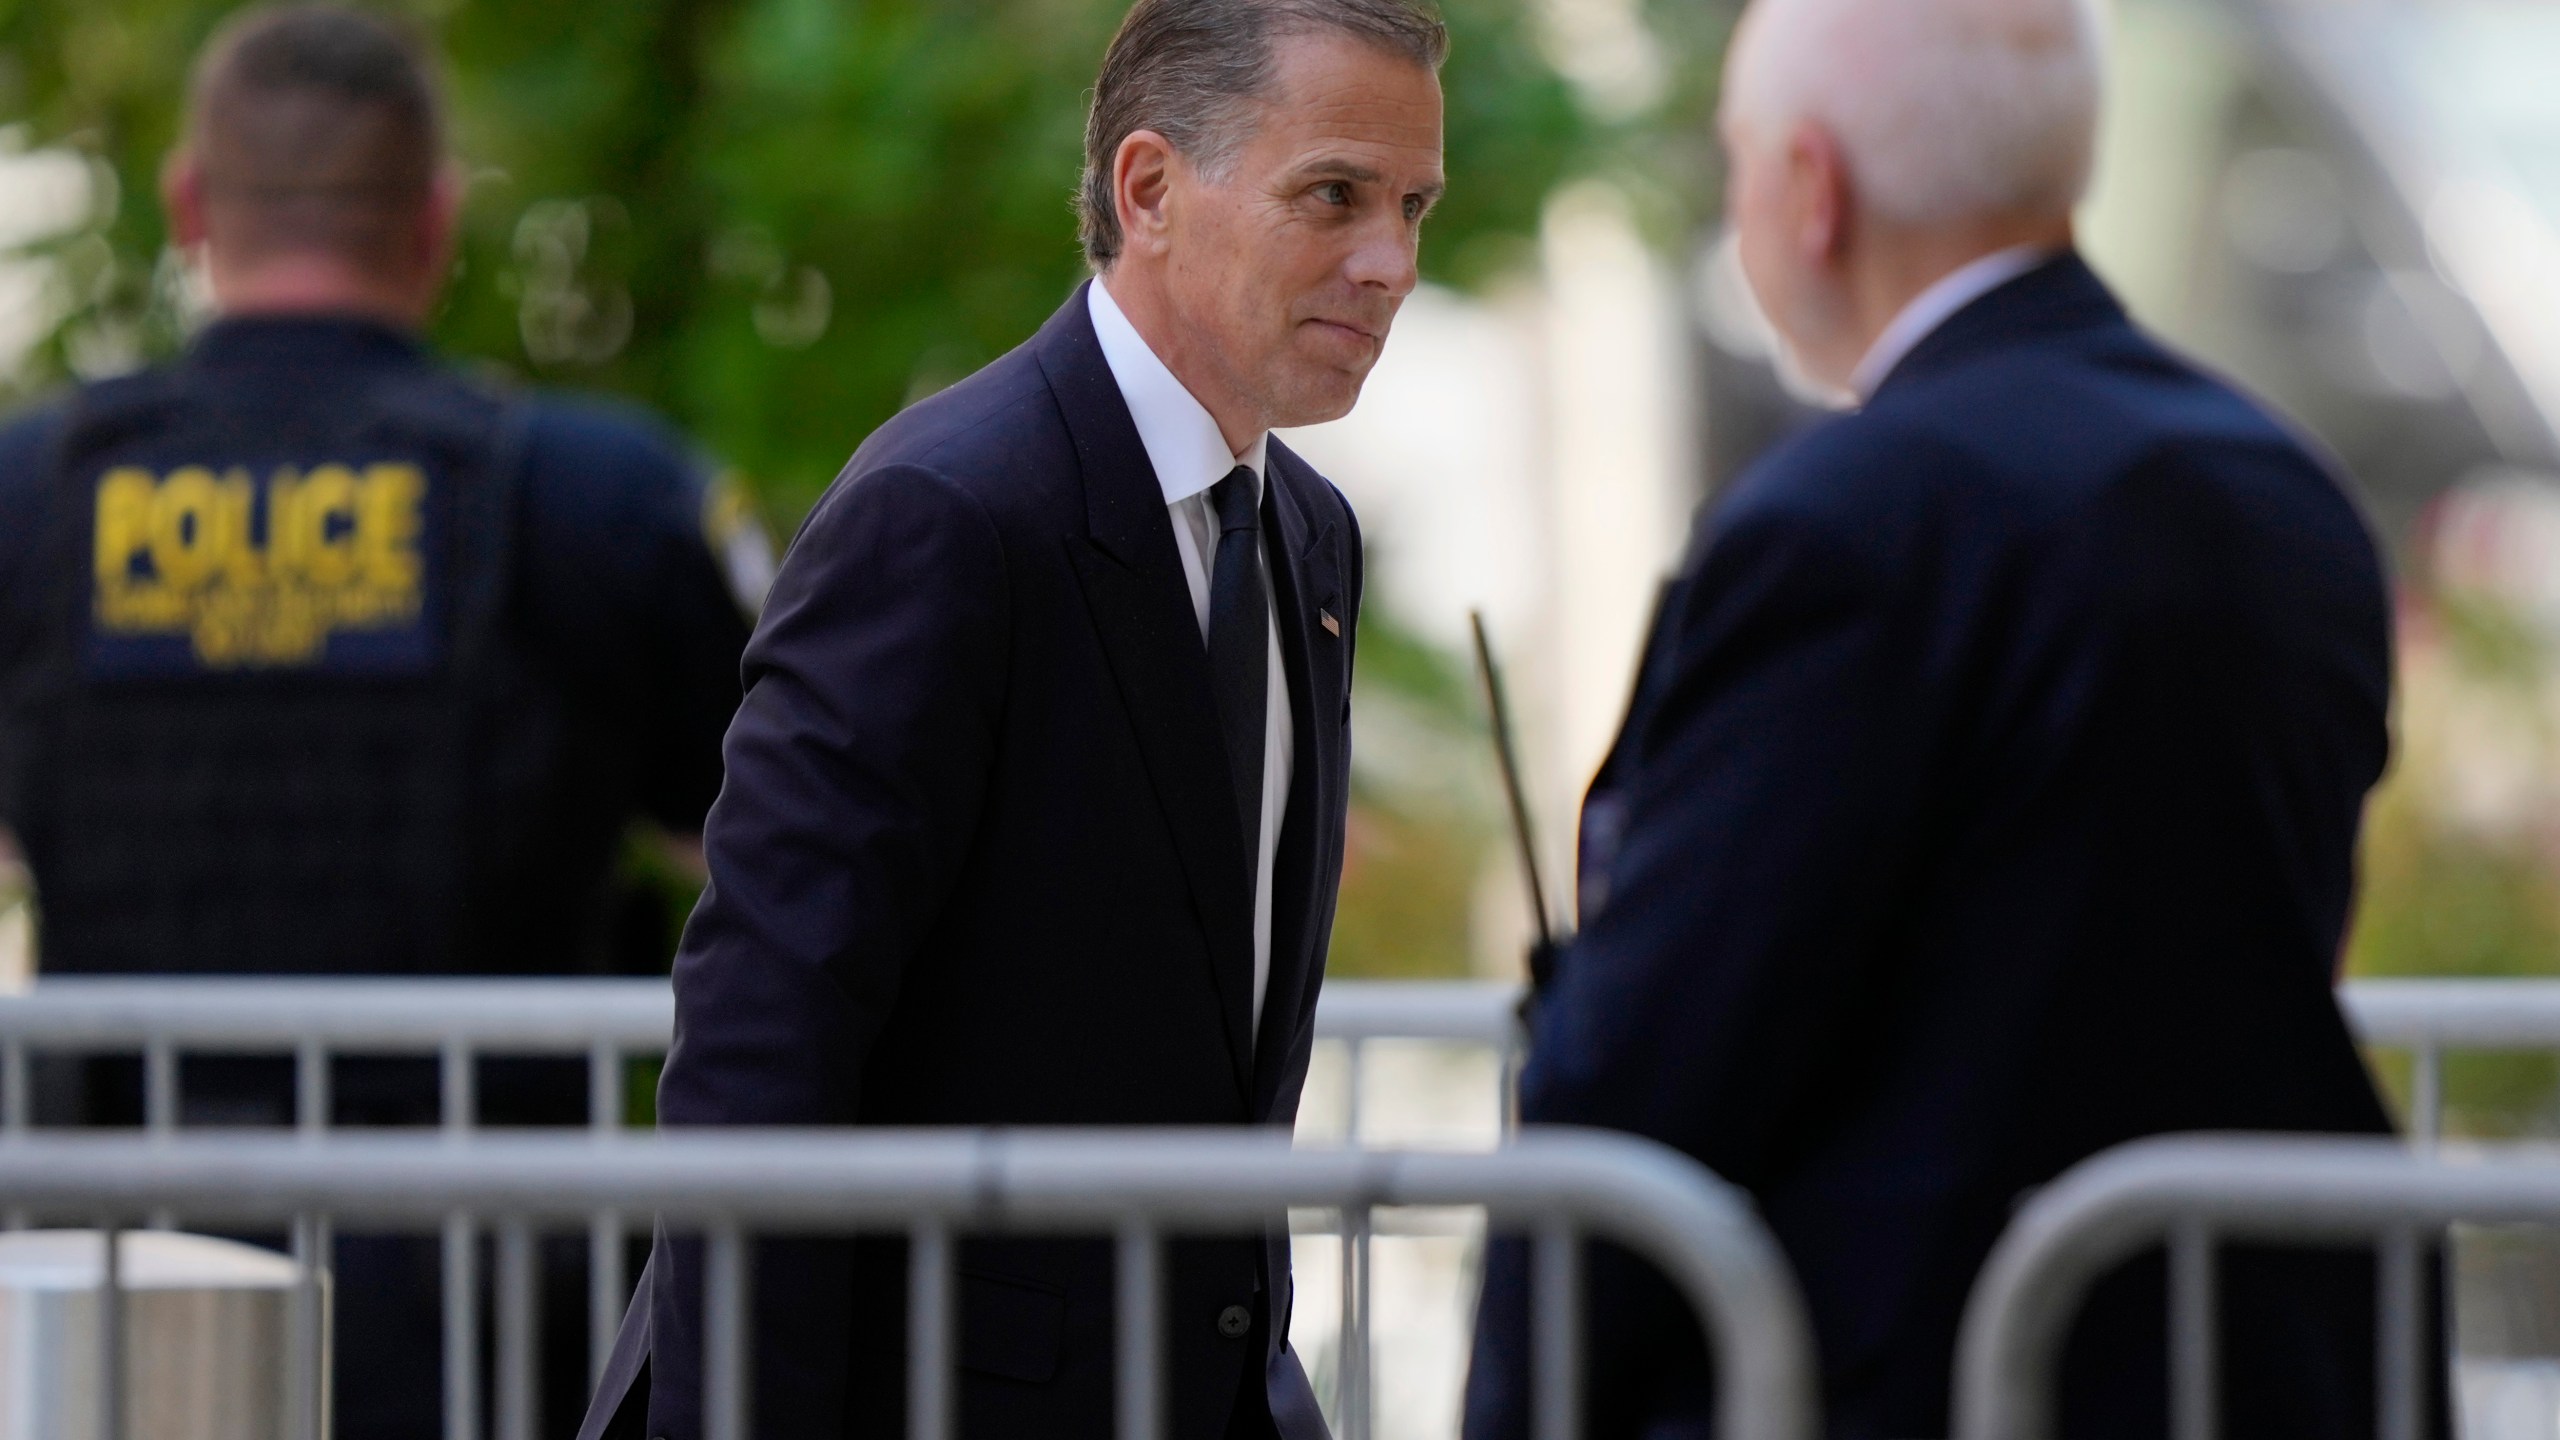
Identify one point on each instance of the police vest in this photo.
(275, 621)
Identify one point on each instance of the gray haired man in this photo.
(1034, 808)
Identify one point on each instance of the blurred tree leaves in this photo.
(775, 221)
(1422, 812)
(2460, 866)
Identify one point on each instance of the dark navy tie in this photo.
(1240, 644)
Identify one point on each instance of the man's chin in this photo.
(1319, 400)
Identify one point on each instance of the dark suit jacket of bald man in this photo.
(1989, 797)
(977, 862)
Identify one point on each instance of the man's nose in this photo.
(1384, 259)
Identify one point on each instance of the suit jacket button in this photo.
(1235, 1322)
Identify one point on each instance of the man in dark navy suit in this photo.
(1990, 788)
(1034, 807)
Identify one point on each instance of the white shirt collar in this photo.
(1183, 441)
(1937, 305)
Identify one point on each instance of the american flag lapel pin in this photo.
(1331, 626)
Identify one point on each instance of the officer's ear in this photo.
(182, 198)
(439, 226)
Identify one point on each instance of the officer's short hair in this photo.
(316, 127)
(1188, 70)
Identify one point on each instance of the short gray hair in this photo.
(316, 126)
(1187, 69)
(1946, 110)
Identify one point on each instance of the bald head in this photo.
(1945, 110)
(1877, 146)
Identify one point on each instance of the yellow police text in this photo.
(259, 574)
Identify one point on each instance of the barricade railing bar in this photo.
(1482, 1013)
(455, 1019)
(2430, 1017)
(2195, 1194)
(612, 1021)
(609, 1021)
(1136, 1187)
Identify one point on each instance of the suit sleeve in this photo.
(1769, 801)
(1770, 789)
(856, 767)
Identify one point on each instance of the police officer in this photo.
(316, 657)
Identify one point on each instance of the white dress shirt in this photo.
(1189, 455)
(1934, 307)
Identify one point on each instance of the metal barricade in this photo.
(608, 1021)
(2429, 1017)
(458, 1019)
(2194, 1193)
(1355, 1015)
(1134, 1186)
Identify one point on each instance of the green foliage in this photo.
(774, 221)
(1421, 824)
(2447, 891)
(2439, 903)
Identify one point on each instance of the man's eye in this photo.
(1334, 192)
(1413, 207)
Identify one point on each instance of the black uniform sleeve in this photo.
(625, 516)
(703, 617)
(25, 448)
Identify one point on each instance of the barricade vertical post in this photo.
(1141, 1338)
(1353, 1388)
(160, 1107)
(929, 1332)
(459, 1107)
(15, 1106)
(726, 1384)
(2194, 1344)
(2398, 1371)
(607, 1290)
(1352, 1385)
(307, 1359)
(1512, 1056)
(461, 1329)
(604, 1087)
(111, 1366)
(1556, 1363)
(2426, 1094)
(159, 1085)
(519, 1332)
(311, 1086)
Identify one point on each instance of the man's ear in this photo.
(1818, 185)
(182, 199)
(1141, 181)
(439, 222)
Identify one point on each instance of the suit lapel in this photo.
(1133, 583)
(1305, 579)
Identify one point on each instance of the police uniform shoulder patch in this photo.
(738, 541)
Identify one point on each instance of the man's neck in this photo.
(1141, 298)
(1900, 265)
(290, 286)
